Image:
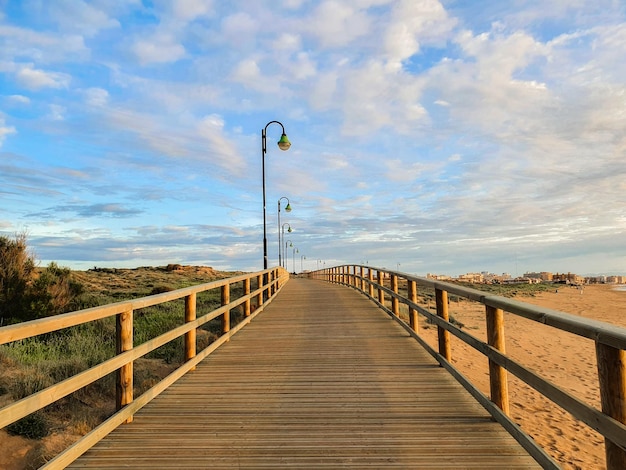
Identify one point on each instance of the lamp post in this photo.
(280, 248)
(283, 144)
(287, 209)
(295, 250)
(301, 258)
(285, 250)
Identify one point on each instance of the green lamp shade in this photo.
(288, 208)
(284, 143)
(289, 229)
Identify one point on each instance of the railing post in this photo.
(362, 282)
(381, 293)
(124, 342)
(443, 335)
(497, 374)
(612, 376)
(226, 315)
(190, 336)
(412, 295)
(259, 285)
(246, 291)
(395, 305)
(370, 276)
(266, 287)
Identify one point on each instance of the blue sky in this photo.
(434, 136)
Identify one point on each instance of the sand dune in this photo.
(565, 359)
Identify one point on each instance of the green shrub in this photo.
(28, 293)
(28, 382)
(33, 426)
(161, 289)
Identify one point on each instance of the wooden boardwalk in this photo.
(321, 379)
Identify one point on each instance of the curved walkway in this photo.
(321, 379)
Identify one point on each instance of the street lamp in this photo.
(295, 250)
(287, 209)
(285, 251)
(301, 258)
(280, 248)
(283, 144)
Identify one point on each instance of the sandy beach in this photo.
(565, 359)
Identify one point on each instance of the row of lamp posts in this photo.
(283, 144)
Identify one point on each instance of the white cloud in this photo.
(247, 72)
(35, 79)
(373, 96)
(406, 172)
(239, 27)
(287, 42)
(500, 55)
(5, 131)
(413, 22)
(189, 10)
(57, 113)
(96, 96)
(19, 99)
(337, 24)
(159, 49)
(78, 15)
(42, 47)
(221, 148)
(301, 67)
(323, 91)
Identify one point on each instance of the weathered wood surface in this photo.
(321, 379)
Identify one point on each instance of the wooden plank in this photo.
(321, 379)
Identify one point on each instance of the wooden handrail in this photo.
(127, 353)
(610, 343)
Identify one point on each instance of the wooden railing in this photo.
(610, 342)
(268, 283)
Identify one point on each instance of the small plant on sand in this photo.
(33, 426)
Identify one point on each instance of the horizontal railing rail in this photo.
(610, 345)
(268, 283)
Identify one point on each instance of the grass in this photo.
(33, 364)
(511, 290)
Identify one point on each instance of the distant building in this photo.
(474, 278)
(485, 277)
(544, 276)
